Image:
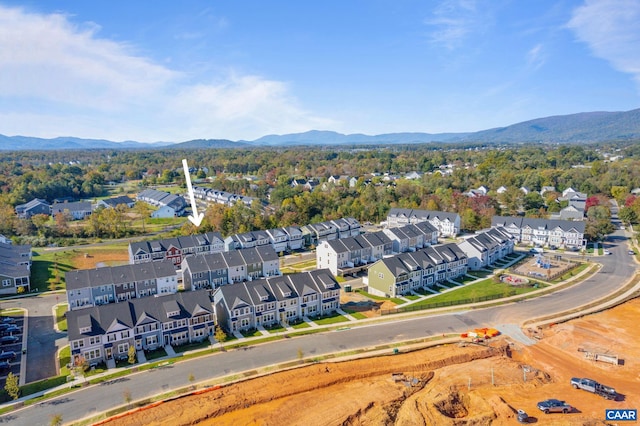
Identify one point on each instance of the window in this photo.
(152, 340)
(125, 334)
(77, 344)
(111, 337)
(123, 348)
(6, 283)
(94, 340)
(92, 354)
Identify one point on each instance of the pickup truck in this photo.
(594, 387)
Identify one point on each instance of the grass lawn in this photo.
(480, 273)
(330, 320)
(303, 324)
(412, 297)
(571, 273)
(276, 329)
(483, 289)
(49, 266)
(65, 358)
(356, 314)
(251, 333)
(395, 300)
(60, 317)
(158, 353)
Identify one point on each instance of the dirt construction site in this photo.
(461, 383)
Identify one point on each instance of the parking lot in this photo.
(11, 336)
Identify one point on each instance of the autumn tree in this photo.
(11, 386)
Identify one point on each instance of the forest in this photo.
(603, 171)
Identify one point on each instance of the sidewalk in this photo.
(171, 355)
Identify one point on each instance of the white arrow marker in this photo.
(196, 218)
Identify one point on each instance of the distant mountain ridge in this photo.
(582, 127)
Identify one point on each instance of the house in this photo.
(102, 333)
(175, 249)
(412, 236)
(486, 247)
(33, 207)
(330, 230)
(571, 212)
(296, 239)
(276, 300)
(213, 270)
(448, 224)
(247, 240)
(501, 190)
(112, 203)
(77, 210)
(353, 254)
(93, 287)
(547, 189)
(543, 232)
(169, 205)
(279, 239)
(413, 176)
(15, 268)
(5, 240)
(338, 180)
(408, 272)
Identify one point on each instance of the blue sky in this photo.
(175, 71)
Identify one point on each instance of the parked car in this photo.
(10, 330)
(7, 356)
(631, 252)
(554, 406)
(9, 340)
(607, 252)
(4, 366)
(8, 320)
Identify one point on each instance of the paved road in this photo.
(616, 271)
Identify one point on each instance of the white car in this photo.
(607, 252)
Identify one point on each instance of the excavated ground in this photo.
(446, 385)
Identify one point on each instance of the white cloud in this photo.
(452, 21)
(60, 78)
(536, 57)
(611, 29)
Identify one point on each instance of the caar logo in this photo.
(631, 415)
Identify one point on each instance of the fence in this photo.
(421, 307)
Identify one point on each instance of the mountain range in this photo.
(585, 127)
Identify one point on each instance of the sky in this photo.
(198, 69)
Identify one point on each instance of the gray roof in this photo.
(135, 312)
(83, 278)
(422, 214)
(77, 206)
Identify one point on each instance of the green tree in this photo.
(628, 215)
(11, 386)
(143, 210)
(619, 192)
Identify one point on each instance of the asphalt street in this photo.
(617, 269)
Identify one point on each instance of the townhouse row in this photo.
(351, 255)
(102, 333)
(421, 269)
(15, 268)
(543, 232)
(286, 239)
(93, 287)
(276, 300)
(169, 205)
(447, 224)
(221, 197)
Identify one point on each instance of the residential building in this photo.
(112, 203)
(33, 207)
(412, 236)
(411, 271)
(213, 270)
(544, 232)
(101, 333)
(247, 240)
(15, 268)
(175, 249)
(353, 254)
(276, 300)
(169, 205)
(93, 287)
(486, 247)
(448, 224)
(330, 230)
(77, 210)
